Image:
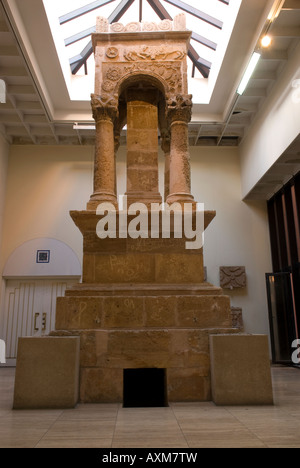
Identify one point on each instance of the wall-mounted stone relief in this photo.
(233, 277)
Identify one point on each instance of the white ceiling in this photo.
(39, 111)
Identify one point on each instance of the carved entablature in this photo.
(154, 52)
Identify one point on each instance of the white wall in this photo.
(275, 127)
(45, 183)
(4, 149)
(239, 234)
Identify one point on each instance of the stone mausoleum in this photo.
(142, 327)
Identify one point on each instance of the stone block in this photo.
(47, 373)
(79, 313)
(137, 268)
(240, 370)
(179, 268)
(205, 312)
(123, 312)
(187, 385)
(101, 385)
(160, 311)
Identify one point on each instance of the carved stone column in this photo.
(166, 147)
(104, 114)
(179, 112)
(117, 138)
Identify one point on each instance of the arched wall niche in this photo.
(42, 258)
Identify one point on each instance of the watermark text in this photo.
(160, 221)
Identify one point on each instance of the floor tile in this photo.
(180, 425)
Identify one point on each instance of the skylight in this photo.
(211, 21)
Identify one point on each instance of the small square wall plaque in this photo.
(43, 256)
(233, 277)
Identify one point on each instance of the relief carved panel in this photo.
(168, 72)
(233, 277)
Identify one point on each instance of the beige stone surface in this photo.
(47, 373)
(142, 311)
(187, 385)
(98, 385)
(240, 370)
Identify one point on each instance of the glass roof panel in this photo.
(208, 42)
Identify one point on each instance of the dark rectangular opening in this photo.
(144, 388)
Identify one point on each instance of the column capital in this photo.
(179, 108)
(105, 107)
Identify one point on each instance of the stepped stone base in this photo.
(123, 327)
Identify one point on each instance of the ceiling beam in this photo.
(254, 92)
(5, 135)
(79, 36)
(114, 17)
(83, 10)
(202, 65)
(79, 60)
(8, 51)
(195, 12)
(120, 11)
(21, 89)
(269, 54)
(204, 41)
(21, 117)
(291, 5)
(264, 75)
(160, 10)
(6, 72)
(291, 32)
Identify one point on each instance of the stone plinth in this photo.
(47, 373)
(140, 261)
(143, 303)
(240, 370)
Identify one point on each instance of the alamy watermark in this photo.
(2, 352)
(296, 353)
(2, 92)
(138, 221)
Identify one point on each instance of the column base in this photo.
(180, 198)
(101, 197)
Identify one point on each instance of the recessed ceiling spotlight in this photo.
(266, 41)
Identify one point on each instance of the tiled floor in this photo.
(192, 425)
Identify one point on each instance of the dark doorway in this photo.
(283, 284)
(144, 388)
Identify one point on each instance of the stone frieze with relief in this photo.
(169, 72)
